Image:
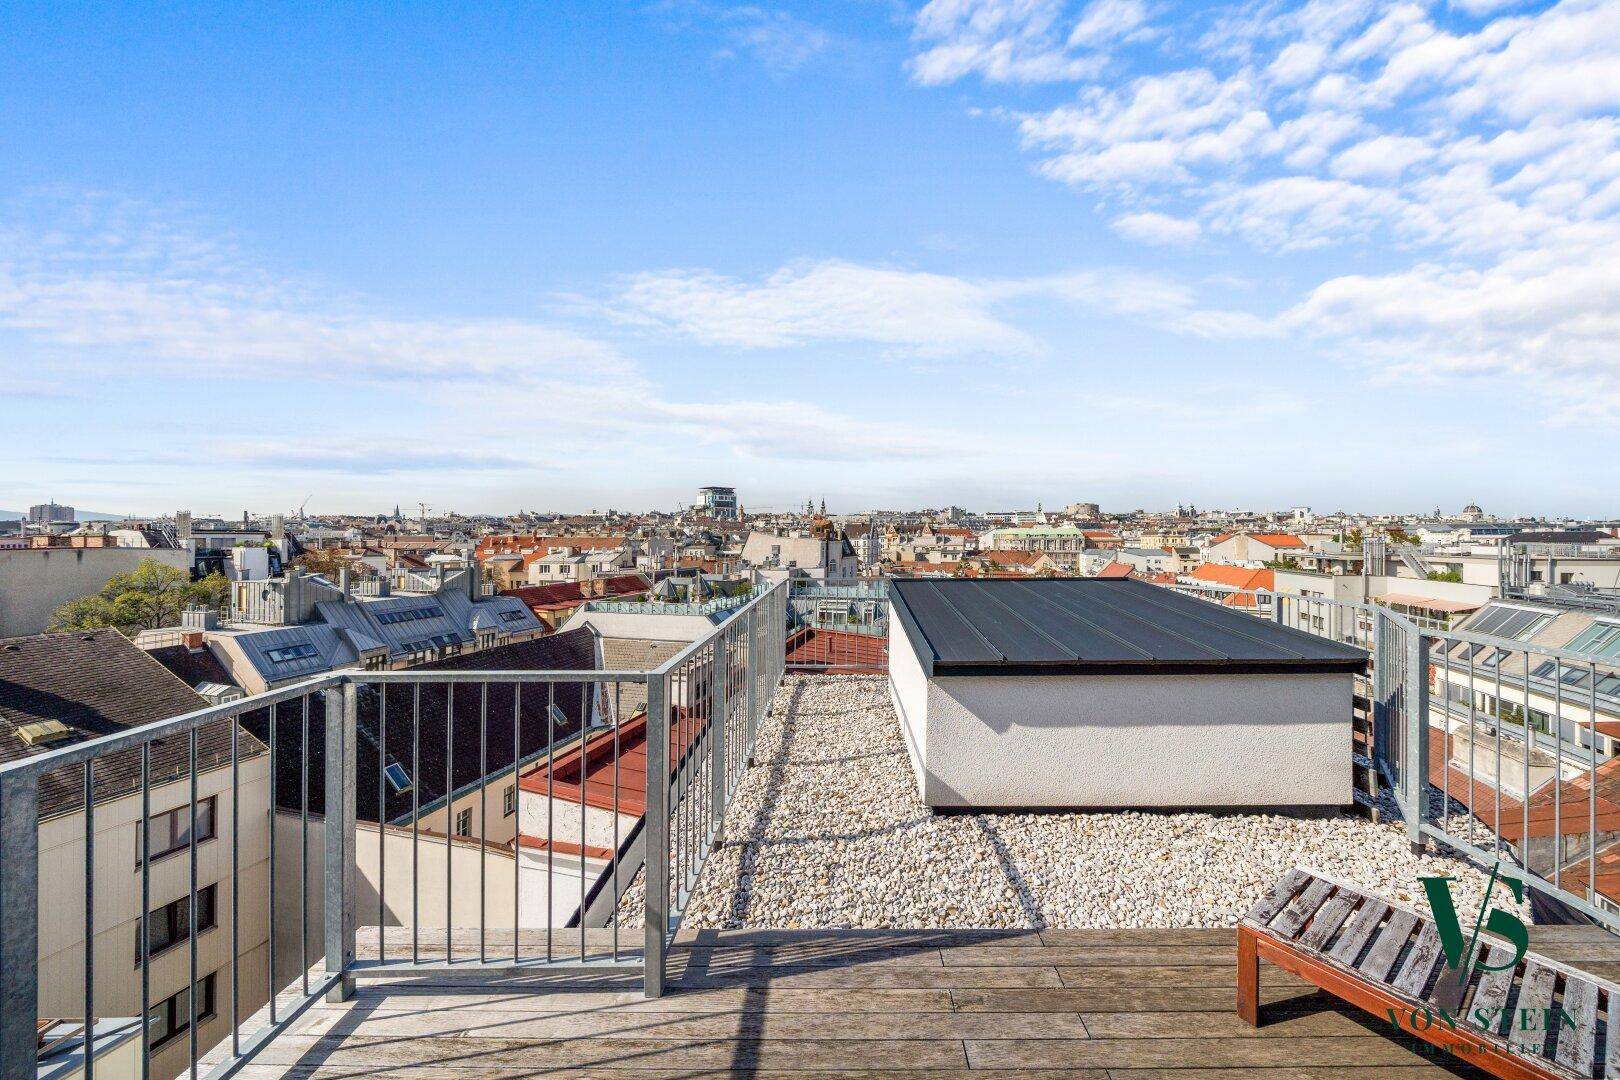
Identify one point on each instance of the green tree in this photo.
(212, 592)
(1284, 563)
(324, 561)
(147, 598)
(1444, 575)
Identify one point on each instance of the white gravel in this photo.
(827, 830)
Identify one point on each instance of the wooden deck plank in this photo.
(874, 978)
(691, 1027)
(1144, 975)
(1125, 999)
(1344, 1020)
(406, 998)
(485, 1054)
(1078, 956)
(521, 1072)
(1577, 1045)
(1216, 1053)
(1142, 936)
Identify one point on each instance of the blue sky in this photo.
(989, 252)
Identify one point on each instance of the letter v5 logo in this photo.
(1504, 924)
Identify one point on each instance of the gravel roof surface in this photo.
(827, 830)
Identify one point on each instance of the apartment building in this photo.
(1237, 548)
(822, 556)
(57, 689)
(35, 581)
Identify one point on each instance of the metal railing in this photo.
(254, 918)
(658, 607)
(1548, 803)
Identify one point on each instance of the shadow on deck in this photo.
(1136, 1004)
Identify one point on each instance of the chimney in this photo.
(193, 640)
(475, 581)
(346, 583)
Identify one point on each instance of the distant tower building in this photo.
(1471, 512)
(717, 502)
(50, 513)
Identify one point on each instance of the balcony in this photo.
(810, 913)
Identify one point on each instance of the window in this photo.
(172, 1016)
(290, 652)
(509, 800)
(1600, 639)
(398, 779)
(464, 822)
(389, 618)
(170, 829)
(514, 616)
(170, 924)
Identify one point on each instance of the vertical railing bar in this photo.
(656, 873)
(585, 692)
(617, 705)
(303, 848)
(416, 822)
(1498, 774)
(236, 886)
(1445, 744)
(517, 817)
(275, 717)
(449, 820)
(551, 818)
(1473, 739)
(1591, 800)
(191, 989)
(146, 907)
(483, 810)
(340, 763)
(89, 1066)
(1558, 759)
(1529, 748)
(382, 822)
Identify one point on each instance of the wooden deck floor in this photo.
(1124, 1004)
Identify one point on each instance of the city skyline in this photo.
(981, 253)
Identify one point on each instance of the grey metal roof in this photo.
(331, 650)
(1096, 626)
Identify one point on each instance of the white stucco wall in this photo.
(1211, 741)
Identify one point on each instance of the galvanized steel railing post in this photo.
(340, 838)
(718, 718)
(1415, 703)
(19, 923)
(655, 881)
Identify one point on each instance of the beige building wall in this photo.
(117, 904)
(383, 861)
(34, 582)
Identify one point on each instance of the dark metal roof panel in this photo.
(1096, 626)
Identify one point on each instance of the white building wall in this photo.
(1215, 741)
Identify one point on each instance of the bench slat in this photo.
(1611, 1055)
(1535, 998)
(1300, 909)
(1292, 882)
(1329, 917)
(1395, 934)
(1360, 931)
(1451, 988)
(1420, 962)
(1494, 987)
(1577, 1045)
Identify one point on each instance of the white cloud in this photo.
(913, 313)
(1021, 41)
(1478, 144)
(1106, 21)
(1384, 156)
(929, 314)
(1154, 228)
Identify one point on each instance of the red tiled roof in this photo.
(834, 648)
(1237, 577)
(599, 765)
(563, 847)
(1276, 540)
(1116, 570)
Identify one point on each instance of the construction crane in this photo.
(300, 514)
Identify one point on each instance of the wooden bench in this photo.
(1384, 957)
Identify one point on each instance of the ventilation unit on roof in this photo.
(43, 732)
